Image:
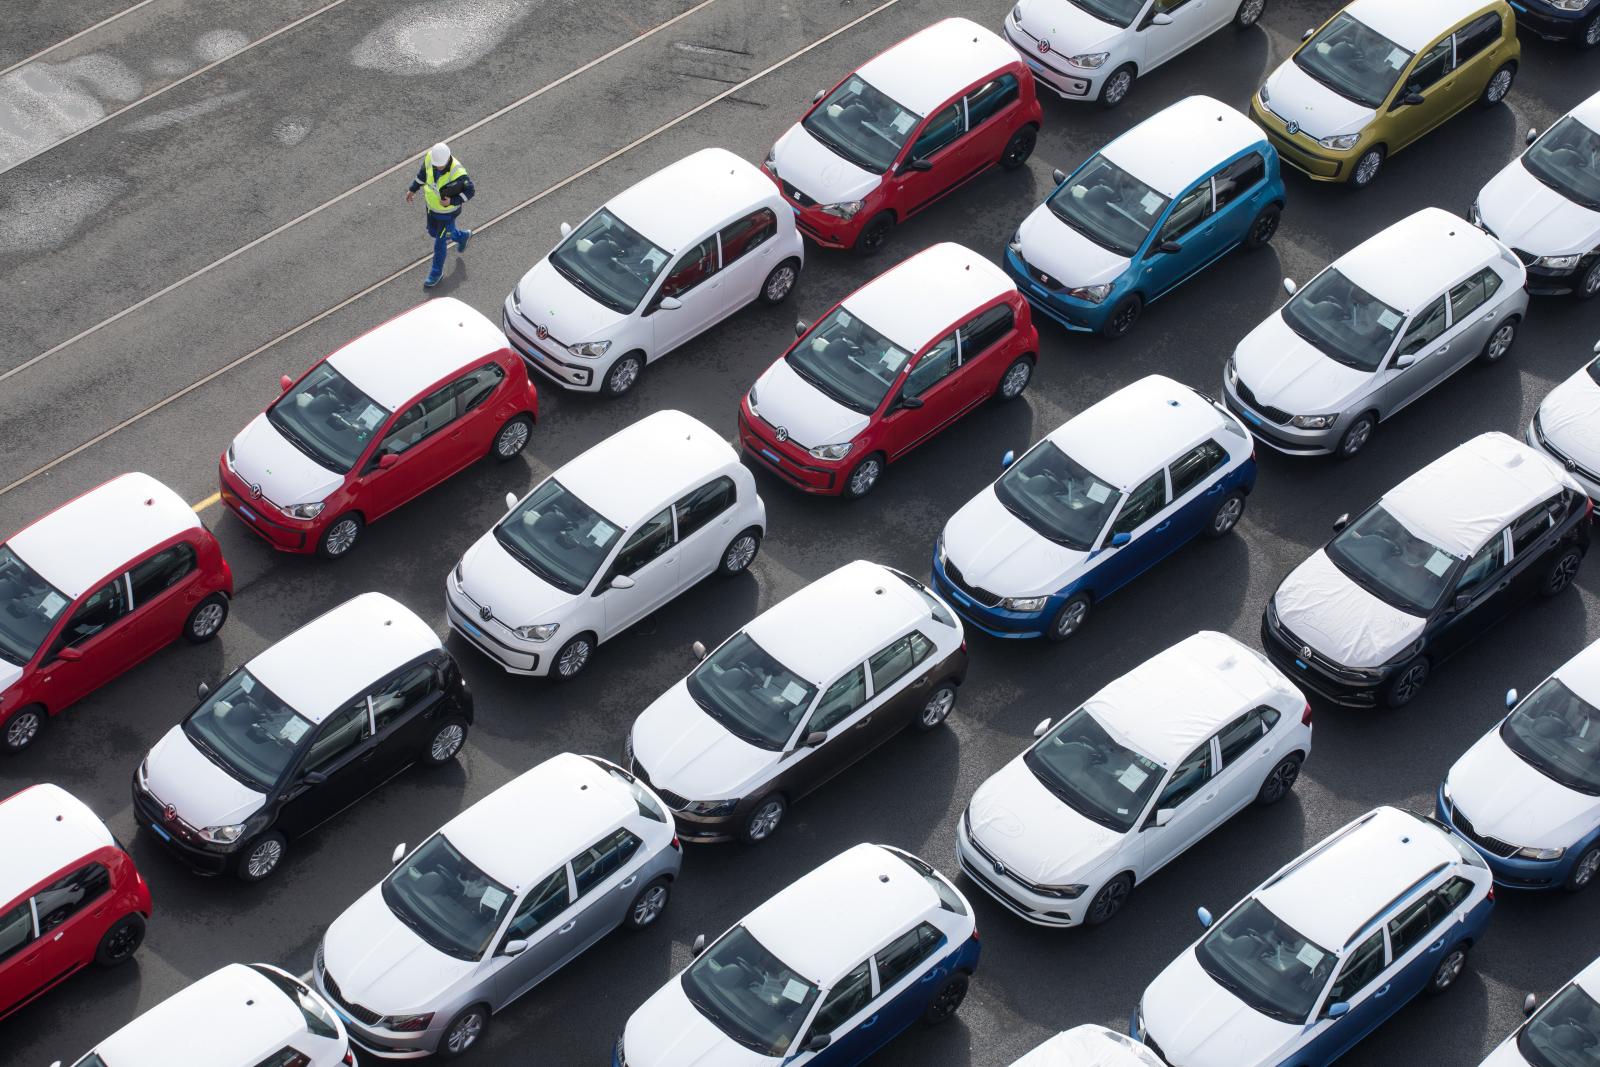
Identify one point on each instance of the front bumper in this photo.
(1508, 870)
(1307, 671)
(1049, 71)
(702, 829)
(982, 870)
(548, 357)
(1079, 316)
(270, 524)
(1548, 281)
(1590, 480)
(178, 838)
(829, 231)
(1552, 25)
(793, 464)
(972, 603)
(387, 1044)
(1301, 151)
(1280, 436)
(516, 658)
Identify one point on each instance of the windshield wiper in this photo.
(523, 557)
(827, 390)
(588, 290)
(839, 150)
(301, 444)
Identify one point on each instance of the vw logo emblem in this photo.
(1305, 651)
(1000, 869)
(782, 434)
(170, 813)
(255, 491)
(540, 332)
(1293, 128)
(486, 613)
(1044, 46)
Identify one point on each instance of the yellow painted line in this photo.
(207, 502)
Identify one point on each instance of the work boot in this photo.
(461, 242)
(431, 280)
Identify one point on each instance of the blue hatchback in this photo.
(1560, 20)
(1146, 213)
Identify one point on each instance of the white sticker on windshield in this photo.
(1438, 563)
(795, 991)
(902, 122)
(1310, 955)
(247, 683)
(52, 604)
(1150, 202)
(492, 898)
(794, 693)
(294, 729)
(818, 344)
(1397, 58)
(893, 359)
(1388, 319)
(834, 110)
(1132, 778)
(601, 532)
(370, 418)
(1099, 493)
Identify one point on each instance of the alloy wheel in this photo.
(464, 1034)
(22, 729)
(938, 707)
(1591, 280)
(1266, 226)
(948, 1000)
(1410, 683)
(1500, 343)
(739, 554)
(124, 940)
(1068, 621)
(573, 658)
(1587, 866)
(1019, 149)
(1357, 438)
(207, 621)
(342, 536)
(1450, 970)
(1117, 88)
(1016, 379)
(766, 820)
(1280, 781)
(1591, 33)
(1561, 575)
(1251, 11)
(1499, 86)
(264, 858)
(513, 436)
(447, 742)
(779, 283)
(1227, 515)
(865, 477)
(1367, 168)
(650, 905)
(623, 375)
(1109, 901)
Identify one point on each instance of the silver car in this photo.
(1375, 330)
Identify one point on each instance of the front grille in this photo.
(154, 812)
(1271, 414)
(1150, 1043)
(1564, 459)
(982, 596)
(1491, 844)
(673, 800)
(795, 195)
(993, 863)
(1055, 285)
(356, 1011)
(1526, 257)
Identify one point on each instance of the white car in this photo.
(1564, 1032)
(1140, 772)
(661, 263)
(604, 541)
(804, 690)
(1095, 49)
(1566, 426)
(500, 898)
(1546, 205)
(1090, 1046)
(245, 1015)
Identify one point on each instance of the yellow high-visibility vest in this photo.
(432, 183)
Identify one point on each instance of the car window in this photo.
(842, 698)
(1365, 962)
(1433, 66)
(852, 993)
(286, 1057)
(339, 734)
(694, 267)
(1473, 293)
(889, 665)
(1190, 210)
(936, 364)
(1192, 467)
(653, 537)
(749, 233)
(105, 606)
(604, 858)
(1345, 322)
(1353, 60)
(161, 571)
(401, 694)
(1531, 527)
(902, 955)
(1142, 505)
(940, 130)
(1447, 898)
(1478, 36)
(1241, 735)
(1108, 205)
(544, 902)
(1483, 567)
(16, 929)
(703, 505)
(985, 331)
(990, 98)
(1187, 779)
(421, 420)
(1238, 178)
(756, 698)
(1425, 328)
(1410, 927)
(476, 386)
(60, 901)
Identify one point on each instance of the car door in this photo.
(1534, 535)
(1191, 20)
(844, 1009)
(540, 916)
(695, 281)
(164, 588)
(990, 122)
(1482, 594)
(648, 560)
(479, 420)
(97, 633)
(989, 344)
(1474, 315)
(837, 713)
(428, 446)
(1239, 192)
(1196, 491)
(334, 773)
(404, 708)
(941, 143)
(1431, 84)
(1188, 794)
(606, 876)
(1248, 752)
(19, 971)
(1363, 983)
(1419, 935)
(1188, 231)
(705, 526)
(1421, 359)
(1145, 518)
(1475, 55)
(930, 397)
(71, 919)
(747, 255)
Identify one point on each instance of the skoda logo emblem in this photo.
(782, 434)
(486, 613)
(1293, 128)
(540, 331)
(1305, 651)
(255, 491)
(1044, 46)
(170, 813)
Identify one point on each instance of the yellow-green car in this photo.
(1379, 75)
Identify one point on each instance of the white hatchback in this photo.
(1564, 1032)
(1090, 1046)
(660, 263)
(1566, 426)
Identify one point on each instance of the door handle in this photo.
(368, 754)
(1214, 489)
(1437, 945)
(864, 723)
(1382, 992)
(1209, 797)
(1443, 350)
(1491, 316)
(567, 929)
(626, 882)
(1163, 526)
(59, 936)
(920, 682)
(868, 1023)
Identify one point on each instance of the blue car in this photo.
(1145, 214)
(1561, 20)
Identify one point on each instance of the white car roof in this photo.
(320, 667)
(628, 476)
(396, 361)
(838, 620)
(78, 545)
(1414, 260)
(43, 828)
(921, 298)
(1138, 429)
(1182, 695)
(1090, 1046)
(1413, 24)
(1175, 147)
(681, 203)
(929, 67)
(831, 919)
(236, 1015)
(1466, 496)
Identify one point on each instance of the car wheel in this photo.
(1264, 227)
(1356, 436)
(464, 1031)
(946, 1000)
(1227, 515)
(1591, 33)
(1014, 382)
(649, 904)
(1117, 87)
(22, 729)
(1499, 85)
(573, 658)
(1499, 342)
(1406, 684)
(118, 944)
(1583, 871)
(261, 857)
(874, 234)
(623, 375)
(937, 709)
(1019, 148)
(740, 553)
(446, 743)
(1280, 781)
(1589, 286)
(206, 619)
(780, 282)
(865, 477)
(1070, 619)
(764, 819)
(1109, 900)
(1449, 969)
(1249, 13)
(1366, 168)
(340, 536)
(512, 438)
(1122, 317)
(1562, 571)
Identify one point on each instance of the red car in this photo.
(381, 421)
(894, 363)
(894, 137)
(69, 894)
(93, 588)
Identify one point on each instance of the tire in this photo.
(1070, 619)
(1406, 684)
(1590, 35)
(1367, 167)
(864, 476)
(1499, 84)
(448, 739)
(937, 709)
(1226, 517)
(465, 1031)
(1280, 782)
(780, 282)
(1499, 342)
(1019, 148)
(740, 553)
(1356, 436)
(647, 907)
(118, 944)
(1449, 970)
(764, 819)
(623, 375)
(947, 1000)
(1583, 871)
(573, 657)
(1563, 569)
(206, 619)
(1589, 285)
(512, 439)
(1106, 903)
(340, 536)
(1249, 13)
(1014, 382)
(1123, 317)
(22, 729)
(874, 234)
(1265, 225)
(261, 857)
(1117, 86)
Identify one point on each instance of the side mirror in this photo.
(814, 738)
(817, 1042)
(1596, 348)
(1412, 99)
(800, 327)
(1336, 1010)
(1532, 136)
(1307, 35)
(1204, 915)
(284, 383)
(820, 94)
(566, 231)
(1160, 18)
(1530, 1004)
(1511, 698)
(387, 460)
(1290, 287)
(1120, 539)
(915, 164)
(397, 855)
(1164, 816)
(69, 654)
(201, 690)
(514, 948)
(1341, 522)
(1168, 248)
(699, 649)
(1058, 176)
(699, 945)
(511, 501)
(622, 581)
(1462, 602)
(1405, 359)
(1042, 729)
(313, 778)
(910, 402)
(1008, 459)
(669, 303)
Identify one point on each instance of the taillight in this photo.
(963, 644)
(676, 843)
(1588, 506)
(974, 933)
(349, 1058)
(1491, 893)
(1305, 716)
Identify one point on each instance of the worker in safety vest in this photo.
(445, 187)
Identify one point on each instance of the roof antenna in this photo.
(883, 878)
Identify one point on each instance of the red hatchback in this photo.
(381, 421)
(94, 587)
(69, 894)
(893, 364)
(920, 120)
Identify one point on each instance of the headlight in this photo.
(319, 962)
(1474, 215)
(457, 572)
(1341, 142)
(1444, 791)
(1024, 603)
(1090, 60)
(1094, 294)
(304, 511)
(590, 349)
(771, 162)
(144, 771)
(1231, 372)
(711, 807)
(842, 211)
(228, 455)
(1313, 422)
(751, 396)
(618, 1053)
(938, 549)
(1266, 97)
(1540, 853)
(541, 632)
(627, 747)
(1569, 5)
(1016, 14)
(406, 1024)
(516, 296)
(1016, 241)
(838, 451)
(222, 835)
(1138, 1022)
(1064, 892)
(1559, 262)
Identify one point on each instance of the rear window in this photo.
(641, 796)
(949, 900)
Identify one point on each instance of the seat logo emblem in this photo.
(1043, 277)
(540, 331)
(486, 613)
(1044, 46)
(795, 194)
(782, 434)
(255, 491)
(1293, 128)
(170, 813)
(1305, 651)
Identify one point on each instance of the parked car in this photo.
(1145, 214)
(300, 733)
(1090, 1046)
(890, 366)
(604, 541)
(822, 975)
(1577, 21)
(1098, 50)
(903, 131)
(95, 587)
(1324, 951)
(1379, 75)
(1563, 1032)
(377, 424)
(797, 695)
(1420, 574)
(69, 894)
(1129, 781)
(1563, 426)
(1545, 204)
(245, 1015)
(1093, 505)
(1532, 784)
(492, 904)
(1375, 330)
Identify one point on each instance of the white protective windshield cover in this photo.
(1570, 418)
(1338, 618)
(1090, 1046)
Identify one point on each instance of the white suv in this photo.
(1090, 1046)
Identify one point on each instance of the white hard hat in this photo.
(439, 154)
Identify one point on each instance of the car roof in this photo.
(1465, 497)
(1182, 695)
(235, 1014)
(1139, 428)
(396, 361)
(838, 620)
(680, 203)
(929, 67)
(78, 544)
(1581, 674)
(318, 668)
(919, 299)
(43, 829)
(627, 476)
(829, 920)
(1333, 891)
(1177, 146)
(1412, 262)
(1414, 24)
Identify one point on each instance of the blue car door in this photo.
(1240, 190)
(1146, 518)
(903, 978)
(1186, 230)
(1196, 488)
(1364, 983)
(1422, 933)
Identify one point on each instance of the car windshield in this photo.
(752, 695)
(1567, 159)
(315, 1013)
(1558, 733)
(1057, 497)
(558, 537)
(848, 361)
(609, 261)
(91, 1060)
(1343, 321)
(29, 607)
(1108, 205)
(1353, 60)
(862, 125)
(327, 418)
(446, 900)
(1117, 12)
(1393, 564)
(1092, 773)
(247, 731)
(1564, 1033)
(1264, 962)
(748, 993)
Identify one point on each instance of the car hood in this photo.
(1285, 371)
(1070, 29)
(686, 751)
(1506, 1055)
(1340, 619)
(379, 963)
(494, 578)
(1507, 798)
(1199, 1024)
(1298, 97)
(1065, 254)
(794, 404)
(998, 552)
(1570, 418)
(813, 168)
(1524, 212)
(1024, 826)
(9, 673)
(667, 1031)
(263, 456)
(204, 794)
(545, 298)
